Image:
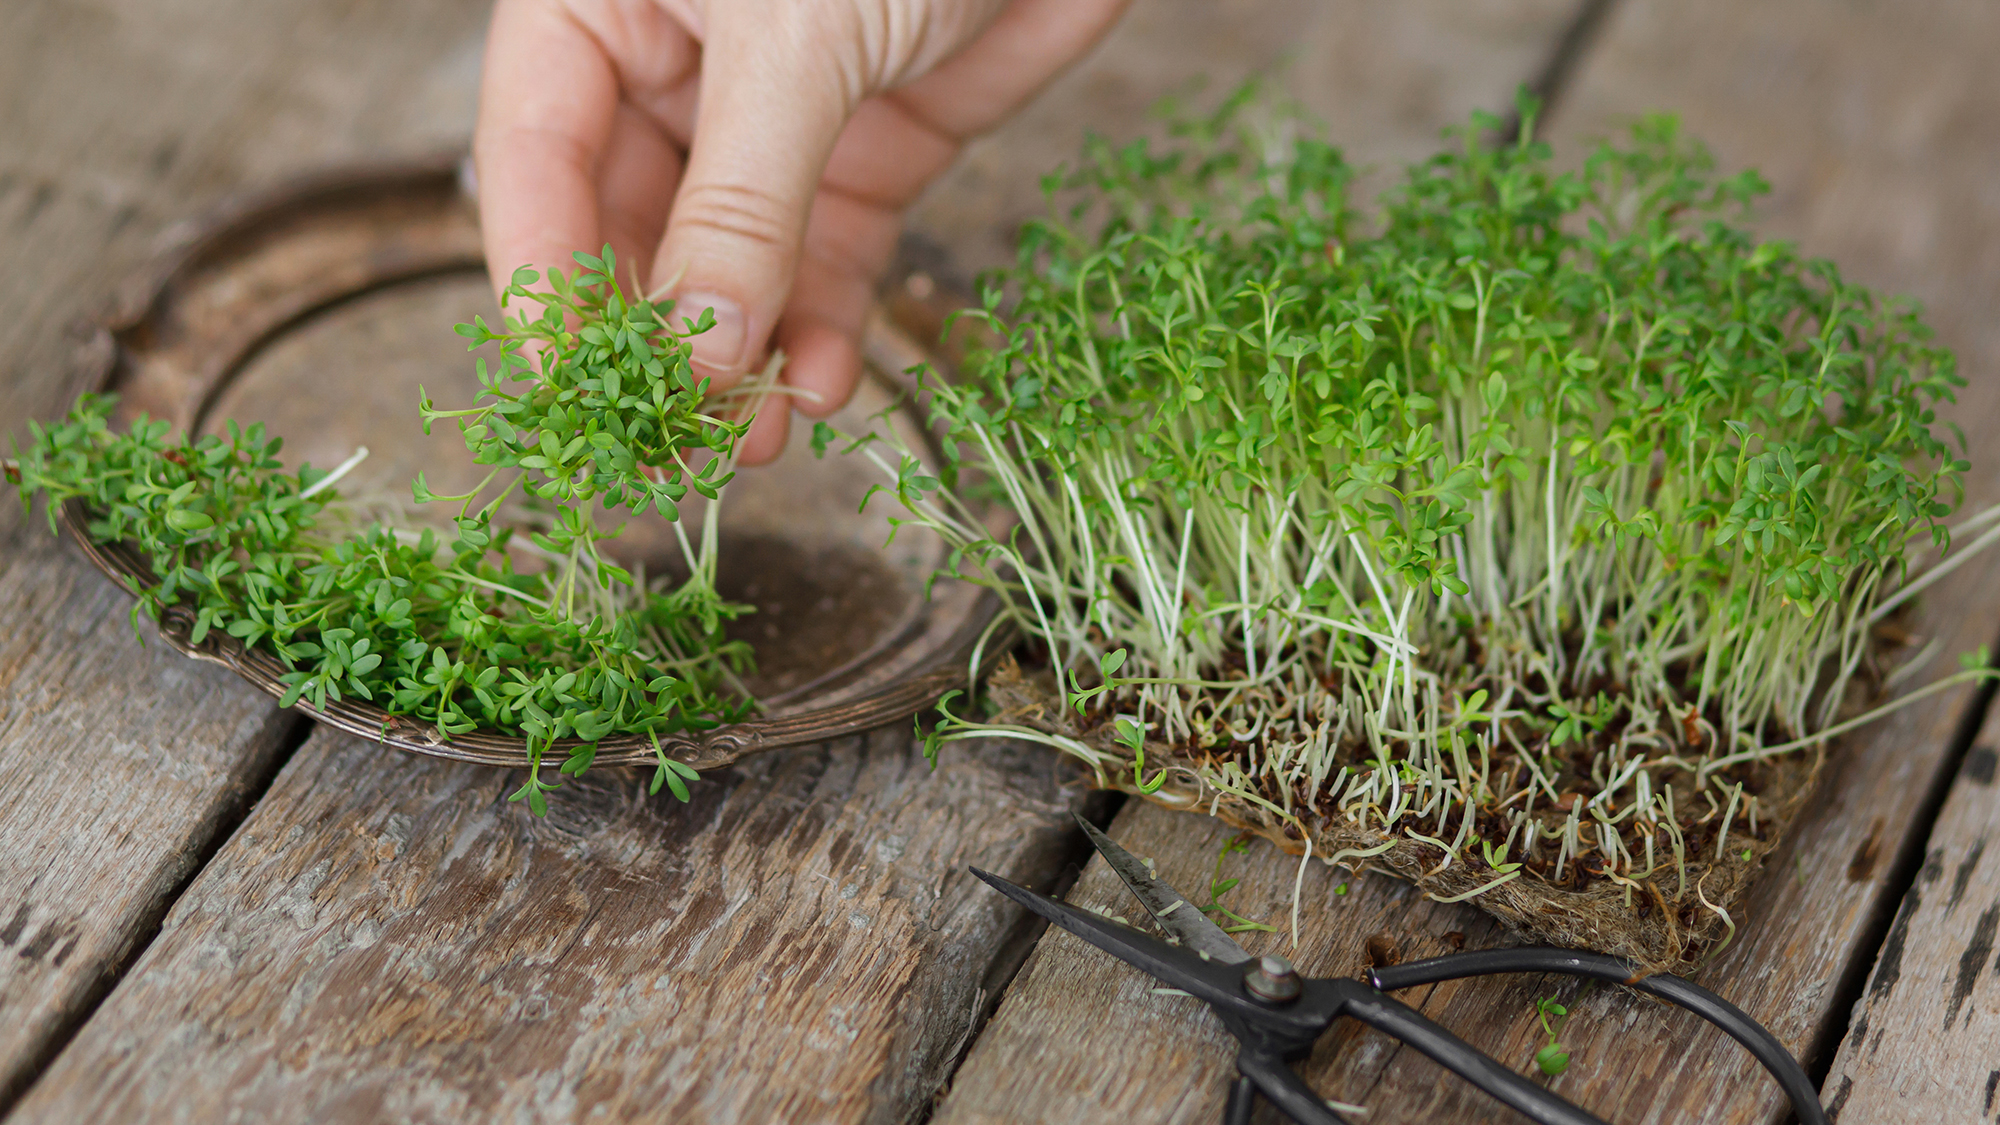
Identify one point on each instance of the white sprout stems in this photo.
(1944, 567)
(359, 455)
(1289, 659)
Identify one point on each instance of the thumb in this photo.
(772, 104)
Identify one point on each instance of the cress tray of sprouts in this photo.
(1526, 538)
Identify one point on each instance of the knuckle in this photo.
(746, 211)
(554, 146)
(860, 45)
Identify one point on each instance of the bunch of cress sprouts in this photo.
(604, 415)
(1529, 523)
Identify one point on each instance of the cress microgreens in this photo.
(608, 416)
(1553, 1058)
(1218, 886)
(1524, 513)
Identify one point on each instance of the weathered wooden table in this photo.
(212, 912)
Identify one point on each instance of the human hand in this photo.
(749, 156)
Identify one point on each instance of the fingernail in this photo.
(718, 351)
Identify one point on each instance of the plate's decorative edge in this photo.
(98, 360)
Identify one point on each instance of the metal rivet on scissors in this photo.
(1276, 1014)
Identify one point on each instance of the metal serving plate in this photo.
(319, 308)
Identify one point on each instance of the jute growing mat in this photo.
(1670, 919)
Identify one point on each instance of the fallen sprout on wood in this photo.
(1231, 922)
(608, 416)
(1553, 1058)
(1528, 538)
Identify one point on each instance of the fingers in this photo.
(848, 243)
(585, 109)
(886, 155)
(1026, 46)
(892, 147)
(767, 435)
(545, 112)
(773, 99)
(823, 363)
(636, 179)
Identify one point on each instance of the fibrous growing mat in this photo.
(1526, 538)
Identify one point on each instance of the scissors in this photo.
(1276, 1014)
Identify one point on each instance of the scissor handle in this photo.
(1272, 1078)
(1400, 1021)
(1733, 1021)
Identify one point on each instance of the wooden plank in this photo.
(819, 1016)
(1079, 1037)
(1879, 139)
(1878, 128)
(1920, 1046)
(121, 765)
(389, 938)
(118, 767)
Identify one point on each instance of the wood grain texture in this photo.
(387, 938)
(120, 764)
(110, 791)
(726, 1084)
(1881, 144)
(1921, 1045)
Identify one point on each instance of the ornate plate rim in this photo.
(105, 358)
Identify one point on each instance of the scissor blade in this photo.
(1400, 1021)
(1204, 977)
(1181, 919)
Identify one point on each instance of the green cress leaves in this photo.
(1567, 438)
(450, 633)
(611, 400)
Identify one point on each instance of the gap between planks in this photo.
(122, 767)
(970, 215)
(288, 732)
(1920, 1045)
(389, 937)
(1877, 940)
(1460, 65)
